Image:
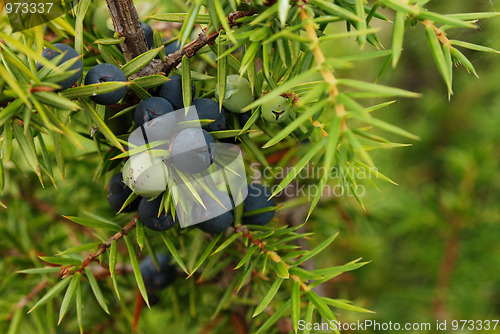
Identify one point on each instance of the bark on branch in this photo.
(66, 271)
(126, 23)
(203, 39)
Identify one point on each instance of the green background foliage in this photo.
(431, 240)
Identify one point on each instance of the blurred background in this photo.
(433, 240)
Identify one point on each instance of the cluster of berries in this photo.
(150, 215)
(238, 95)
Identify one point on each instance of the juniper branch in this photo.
(65, 271)
(204, 38)
(126, 23)
(441, 35)
(328, 75)
(245, 232)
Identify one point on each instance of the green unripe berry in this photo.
(238, 93)
(277, 110)
(145, 174)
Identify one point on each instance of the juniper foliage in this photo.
(86, 276)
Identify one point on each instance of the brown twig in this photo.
(450, 256)
(65, 271)
(319, 56)
(239, 323)
(441, 35)
(126, 23)
(246, 233)
(204, 38)
(444, 277)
